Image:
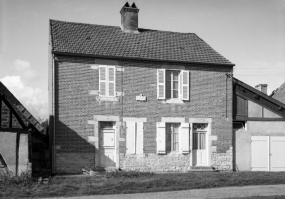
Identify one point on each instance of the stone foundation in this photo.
(223, 161)
(156, 163)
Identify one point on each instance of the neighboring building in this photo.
(23, 143)
(259, 129)
(279, 93)
(137, 99)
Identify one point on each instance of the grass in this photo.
(133, 182)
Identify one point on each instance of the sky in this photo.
(249, 33)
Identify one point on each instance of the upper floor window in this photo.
(107, 79)
(172, 84)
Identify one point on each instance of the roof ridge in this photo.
(80, 23)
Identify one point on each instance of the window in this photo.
(172, 137)
(107, 79)
(173, 84)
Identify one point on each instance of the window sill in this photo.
(173, 101)
(111, 99)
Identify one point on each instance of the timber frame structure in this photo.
(23, 140)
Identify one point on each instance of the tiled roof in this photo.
(110, 41)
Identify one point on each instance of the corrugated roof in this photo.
(110, 41)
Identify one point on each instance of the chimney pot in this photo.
(129, 18)
(262, 88)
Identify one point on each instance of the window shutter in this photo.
(102, 80)
(185, 85)
(184, 138)
(139, 138)
(161, 84)
(111, 81)
(130, 137)
(160, 139)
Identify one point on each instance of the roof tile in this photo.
(99, 40)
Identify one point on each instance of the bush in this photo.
(128, 174)
(25, 178)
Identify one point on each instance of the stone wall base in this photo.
(223, 161)
(73, 162)
(155, 163)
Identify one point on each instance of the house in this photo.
(137, 99)
(23, 142)
(258, 129)
(279, 93)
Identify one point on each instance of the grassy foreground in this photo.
(132, 182)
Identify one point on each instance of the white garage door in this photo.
(267, 153)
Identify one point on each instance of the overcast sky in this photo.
(249, 33)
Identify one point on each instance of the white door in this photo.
(268, 153)
(200, 154)
(107, 148)
(259, 153)
(277, 153)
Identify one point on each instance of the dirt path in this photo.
(227, 192)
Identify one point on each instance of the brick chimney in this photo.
(129, 18)
(262, 88)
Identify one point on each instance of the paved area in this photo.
(227, 192)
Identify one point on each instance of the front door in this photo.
(107, 147)
(200, 154)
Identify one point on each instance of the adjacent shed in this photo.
(258, 129)
(23, 140)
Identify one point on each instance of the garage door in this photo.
(267, 153)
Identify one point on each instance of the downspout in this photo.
(53, 116)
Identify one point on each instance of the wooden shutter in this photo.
(185, 85)
(160, 139)
(184, 138)
(111, 81)
(139, 138)
(102, 80)
(161, 84)
(131, 137)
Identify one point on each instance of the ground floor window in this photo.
(172, 137)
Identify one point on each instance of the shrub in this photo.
(25, 178)
(128, 174)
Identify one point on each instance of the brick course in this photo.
(210, 97)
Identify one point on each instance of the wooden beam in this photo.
(248, 94)
(14, 112)
(13, 130)
(0, 111)
(10, 119)
(242, 118)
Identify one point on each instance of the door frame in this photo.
(115, 143)
(209, 139)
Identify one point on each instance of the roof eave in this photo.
(139, 58)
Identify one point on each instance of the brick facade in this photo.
(210, 97)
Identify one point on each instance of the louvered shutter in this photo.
(111, 81)
(102, 80)
(161, 84)
(160, 139)
(184, 138)
(131, 137)
(139, 138)
(185, 85)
